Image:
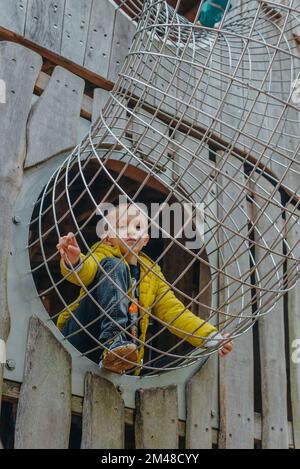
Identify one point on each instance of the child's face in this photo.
(131, 227)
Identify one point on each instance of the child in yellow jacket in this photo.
(124, 280)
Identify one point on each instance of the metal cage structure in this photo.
(173, 98)
(198, 116)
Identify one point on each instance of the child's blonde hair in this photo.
(107, 225)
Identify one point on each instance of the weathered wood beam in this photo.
(153, 406)
(57, 59)
(199, 434)
(271, 326)
(216, 143)
(44, 408)
(11, 393)
(236, 370)
(54, 119)
(19, 70)
(103, 419)
(293, 237)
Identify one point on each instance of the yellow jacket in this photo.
(153, 289)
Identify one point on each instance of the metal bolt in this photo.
(213, 413)
(16, 220)
(10, 364)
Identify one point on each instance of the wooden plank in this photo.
(100, 99)
(294, 333)
(147, 134)
(19, 70)
(271, 326)
(87, 101)
(236, 370)
(75, 29)
(156, 424)
(54, 118)
(115, 124)
(57, 59)
(270, 115)
(12, 391)
(103, 420)
(100, 36)
(202, 389)
(117, 42)
(44, 21)
(199, 433)
(123, 32)
(44, 409)
(206, 92)
(149, 141)
(120, 41)
(13, 15)
(165, 77)
(273, 127)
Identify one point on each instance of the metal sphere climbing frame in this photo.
(198, 115)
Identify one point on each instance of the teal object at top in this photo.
(212, 12)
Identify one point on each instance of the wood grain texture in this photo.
(103, 419)
(57, 59)
(236, 369)
(294, 334)
(44, 409)
(123, 33)
(100, 99)
(13, 15)
(271, 327)
(148, 142)
(54, 118)
(100, 37)
(44, 22)
(199, 407)
(156, 424)
(19, 70)
(75, 29)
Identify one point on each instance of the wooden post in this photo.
(156, 425)
(123, 33)
(44, 22)
(100, 36)
(13, 15)
(271, 326)
(294, 333)
(99, 101)
(19, 70)
(76, 26)
(199, 407)
(44, 409)
(103, 419)
(236, 370)
(54, 119)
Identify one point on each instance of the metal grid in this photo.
(211, 115)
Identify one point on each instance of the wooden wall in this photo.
(89, 33)
(30, 138)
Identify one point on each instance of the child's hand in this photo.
(227, 348)
(69, 249)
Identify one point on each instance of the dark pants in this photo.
(111, 299)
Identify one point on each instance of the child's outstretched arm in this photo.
(168, 307)
(72, 260)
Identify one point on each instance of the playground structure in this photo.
(195, 115)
